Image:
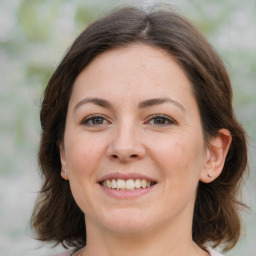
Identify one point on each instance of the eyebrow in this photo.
(144, 104)
(158, 101)
(97, 101)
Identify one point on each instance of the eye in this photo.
(161, 120)
(95, 120)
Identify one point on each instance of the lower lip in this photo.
(126, 194)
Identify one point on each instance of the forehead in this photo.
(127, 76)
(137, 66)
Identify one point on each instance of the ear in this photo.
(64, 173)
(216, 156)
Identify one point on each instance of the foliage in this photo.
(34, 36)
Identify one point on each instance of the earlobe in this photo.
(216, 155)
(64, 173)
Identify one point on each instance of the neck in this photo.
(165, 242)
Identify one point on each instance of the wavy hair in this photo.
(56, 217)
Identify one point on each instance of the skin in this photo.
(128, 138)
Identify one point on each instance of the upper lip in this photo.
(125, 176)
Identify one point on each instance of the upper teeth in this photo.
(129, 184)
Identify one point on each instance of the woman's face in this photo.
(133, 144)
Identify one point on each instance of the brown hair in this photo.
(56, 217)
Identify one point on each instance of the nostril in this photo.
(133, 156)
(114, 156)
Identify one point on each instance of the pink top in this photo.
(69, 253)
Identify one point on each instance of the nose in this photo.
(126, 145)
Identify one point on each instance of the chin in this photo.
(129, 222)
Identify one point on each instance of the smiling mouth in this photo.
(129, 184)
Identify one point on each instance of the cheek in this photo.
(180, 158)
(83, 158)
(83, 154)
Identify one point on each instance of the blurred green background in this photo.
(34, 35)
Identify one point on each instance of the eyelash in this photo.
(165, 118)
(88, 121)
(93, 117)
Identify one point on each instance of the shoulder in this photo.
(213, 253)
(66, 253)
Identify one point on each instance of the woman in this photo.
(140, 148)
